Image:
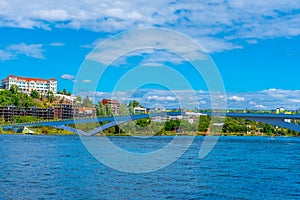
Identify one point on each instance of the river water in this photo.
(59, 167)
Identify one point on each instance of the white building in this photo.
(26, 85)
(139, 110)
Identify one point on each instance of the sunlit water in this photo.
(59, 167)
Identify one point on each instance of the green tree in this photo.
(171, 125)
(134, 103)
(1, 130)
(109, 111)
(143, 122)
(16, 101)
(35, 94)
(26, 101)
(50, 96)
(24, 119)
(204, 122)
(87, 102)
(78, 99)
(2, 120)
(101, 110)
(186, 126)
(65, 91)
(269, 129)
(14, 89)
(123, 110)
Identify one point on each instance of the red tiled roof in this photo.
(110, 101)
(29, 79)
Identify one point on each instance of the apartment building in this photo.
(26, 85)
(114, 105)
(7, 112)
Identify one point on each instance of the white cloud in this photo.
(236, 98)
(67, 77)
(51, 14)
(295, 101)
(270, 90)
(202, 20)
(94, 43)
(4, 55)
(184, 99)
(217, 45)
(14, 50)
(86, 81)
(165, 40)
(252, 41)
(260, 106)
(161, 98)
(31, 50)
(57, 44)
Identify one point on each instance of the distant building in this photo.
(114, 105)
(280, 110)
(26, 85)
(139, 110)
(81, 112)
(42, 113)
(63, 111)
(68, 99)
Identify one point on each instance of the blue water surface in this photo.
(59, 167)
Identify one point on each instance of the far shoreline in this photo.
(143, 135)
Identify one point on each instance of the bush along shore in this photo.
(144, 127)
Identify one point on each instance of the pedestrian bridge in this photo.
(280, 120)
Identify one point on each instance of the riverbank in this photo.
(58, 132)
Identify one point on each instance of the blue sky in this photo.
(255, 44)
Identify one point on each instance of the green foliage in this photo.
(16, 98)
(64, 92)
(134, 103)
(232, 125)
(14, 89)
(87, 102)
(24, 119)
(1, 130)
(268, 129)
(238, 125)
(2, 120)
(143, 122)
(109, 111)
(123, 110)
(204, 122)
(50, 96)
(187, 127)
(78, 99)
(171, 125)
(101, 110)
(35, 94)
(45, 130)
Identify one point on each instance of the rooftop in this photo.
(27, 79)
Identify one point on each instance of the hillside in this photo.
(14, 97)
